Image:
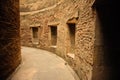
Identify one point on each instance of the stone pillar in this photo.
(9, 37)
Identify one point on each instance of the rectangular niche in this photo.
(53, 35)
(35, 36)
(35, 32)
(71, 30)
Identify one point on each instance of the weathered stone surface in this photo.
(9, 37)
(32, 5)
(61, 13)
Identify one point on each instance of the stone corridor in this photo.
(87, 29)
(42, 65)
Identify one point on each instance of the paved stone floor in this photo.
(42, 65)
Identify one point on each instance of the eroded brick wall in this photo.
(9, 37)
(84, 36)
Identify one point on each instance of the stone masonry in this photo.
(60, 14)
(9, 37)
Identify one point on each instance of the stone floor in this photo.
(42, 65)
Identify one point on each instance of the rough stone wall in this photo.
(26, 30)
(85, 44)
(9, 37)
(32, 5)
(84, 37)
(46, 17)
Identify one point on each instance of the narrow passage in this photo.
(42, 65)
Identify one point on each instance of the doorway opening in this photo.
(53, 35)
(71, 30)
(35, 35)
(35, 32)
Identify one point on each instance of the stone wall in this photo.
(9, 37)
(79, 12)
(85, 44)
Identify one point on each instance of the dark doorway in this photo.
(35, 39)
(71, 29)
(53, 30)
(35, 32)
